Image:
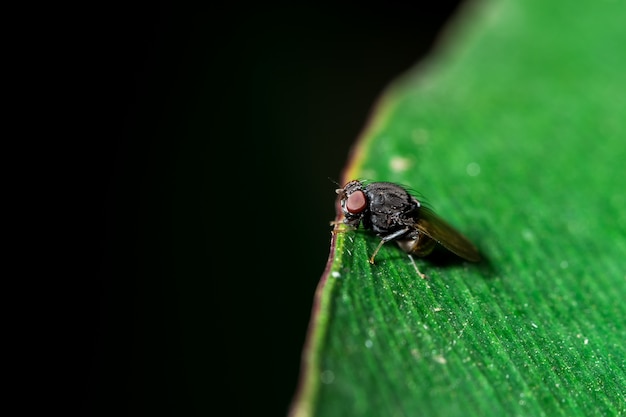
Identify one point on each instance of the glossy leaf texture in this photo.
(513, 131)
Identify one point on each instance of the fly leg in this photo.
(423, 276)
(387, 238)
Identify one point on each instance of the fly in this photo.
(388, 210)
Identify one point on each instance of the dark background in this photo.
(207, 141)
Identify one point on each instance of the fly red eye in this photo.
(356, 202)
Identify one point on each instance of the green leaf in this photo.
(515, 133)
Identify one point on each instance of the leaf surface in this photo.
(514, 131)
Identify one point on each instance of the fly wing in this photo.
(436, 228)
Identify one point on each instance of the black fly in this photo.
(392, 213)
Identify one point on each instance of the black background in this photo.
(207, 141)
